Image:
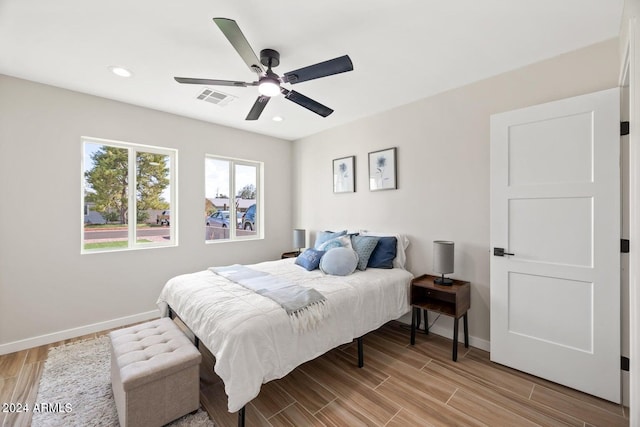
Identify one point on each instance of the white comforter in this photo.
(251, 336)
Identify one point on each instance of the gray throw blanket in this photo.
(305, 306)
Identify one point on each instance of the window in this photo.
(122, 181)
(232, 199)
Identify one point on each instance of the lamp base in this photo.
(443, 281)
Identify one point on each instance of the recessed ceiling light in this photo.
(277, 118)
(120, 71)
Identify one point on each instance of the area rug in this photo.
(75, 389)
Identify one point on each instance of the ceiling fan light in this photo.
(269, 87)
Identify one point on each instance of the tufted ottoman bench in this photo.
(154, 373)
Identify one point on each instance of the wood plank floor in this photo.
(400, 385)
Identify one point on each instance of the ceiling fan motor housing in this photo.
(269, 58)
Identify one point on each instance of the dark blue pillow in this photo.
(384, 253)
(310, 259)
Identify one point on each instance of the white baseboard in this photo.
(14, 346)
(141, 317)
(448, 333)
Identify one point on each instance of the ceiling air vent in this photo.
(215, 97)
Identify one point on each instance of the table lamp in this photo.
(443, 261)
(299, 239)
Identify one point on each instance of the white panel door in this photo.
(555, 206)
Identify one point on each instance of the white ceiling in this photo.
(402, 50)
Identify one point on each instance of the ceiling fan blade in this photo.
(232, 32)
(306, 102)
(327, 68)
(257, 108)
(189, 80)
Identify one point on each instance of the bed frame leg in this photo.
(241, 417)
(170, 312)
(360, 353)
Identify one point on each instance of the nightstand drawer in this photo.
(293, 254)
(452, 300)
(419, 295)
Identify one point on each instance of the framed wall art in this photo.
(344, 175)
(382, 170)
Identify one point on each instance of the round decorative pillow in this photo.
(339, 262)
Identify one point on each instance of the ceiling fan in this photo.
(269, 83)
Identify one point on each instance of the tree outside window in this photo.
(122, 181)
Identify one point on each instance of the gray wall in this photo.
(443, 166)
(48, 291)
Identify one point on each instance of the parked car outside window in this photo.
(249, 218)
(163, 218)
(218, 219)
(93, 217)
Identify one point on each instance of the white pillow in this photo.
(403, 242)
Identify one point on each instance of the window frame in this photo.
(132, 149)
(233, 162)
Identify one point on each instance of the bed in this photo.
(252, 337)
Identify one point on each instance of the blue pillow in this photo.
(364, 247)
(384, 253)
(323, 236)
(309, 259)
(339, 262)
(338, 242)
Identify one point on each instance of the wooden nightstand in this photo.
(293, 254)
(454, 301)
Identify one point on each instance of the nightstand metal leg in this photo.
(466, 331)
(414, 314)
(426, 322)
(455, 339)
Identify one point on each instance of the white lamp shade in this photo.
(443, 256)
(299, 238)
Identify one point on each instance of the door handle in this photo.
(500, 252)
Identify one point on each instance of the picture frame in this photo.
(344, 175)
(382, 170)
